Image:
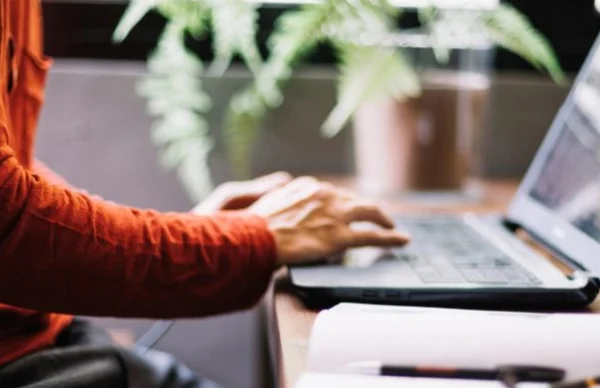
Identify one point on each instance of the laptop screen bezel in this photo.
(538, 219)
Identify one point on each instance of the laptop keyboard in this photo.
(447, 250)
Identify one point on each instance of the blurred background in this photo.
(95, 132)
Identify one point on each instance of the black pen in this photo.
(586, 383)
(513, 373)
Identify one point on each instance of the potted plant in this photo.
(372, 65)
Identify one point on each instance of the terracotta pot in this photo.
(422, 144)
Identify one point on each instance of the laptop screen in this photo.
(559, 200)
(569, 181)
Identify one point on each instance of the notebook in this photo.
(348, 334)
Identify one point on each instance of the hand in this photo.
(240, 195)
(310, 220)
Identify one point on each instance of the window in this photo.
(83, 29)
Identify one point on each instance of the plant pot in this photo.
(423, 144)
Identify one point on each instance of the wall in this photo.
(94, 131)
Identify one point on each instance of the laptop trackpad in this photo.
(365, 257)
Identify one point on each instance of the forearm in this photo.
(63, 251)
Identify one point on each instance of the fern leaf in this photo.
(234, 26)
(161, 100)
(385, 73)
(198, 19)
(427, 14)
(437, 31)
(242, 127)
(296, 34)
(175, 96)
(163, 133)
(377, 15)
(511, 30)
(174, 91)
(172, 155)
(135, 12)
(178, 125)
(385, 6)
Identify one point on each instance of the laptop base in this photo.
(498, 299)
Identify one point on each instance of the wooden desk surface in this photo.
(291, 322)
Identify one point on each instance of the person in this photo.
(65, 252)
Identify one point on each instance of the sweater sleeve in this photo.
(40, 168)
(63, 251)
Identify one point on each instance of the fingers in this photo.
(249, 191)
(303, 182)
(263, 185)
(304, 188)
(359, 211)
(376, 238)
(273, 181)
(352, 208)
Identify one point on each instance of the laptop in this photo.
(474, 260)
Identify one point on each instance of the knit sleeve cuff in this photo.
(251, 257)
(262, 257)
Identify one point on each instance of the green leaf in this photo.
(385, 6)
(135, 12)
(296, 34)
(190, 100)
(386, 73)
(179, 124)
(192, 14)
(173, 155)
(427, 14)
(198, 19)
(228, 40)
(175, 96)
(243, 122)
(511, 30)
(437, 31)
(164, 133)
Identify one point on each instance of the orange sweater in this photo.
(64, 252)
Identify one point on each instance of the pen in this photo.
(507, 373)
(586, 383)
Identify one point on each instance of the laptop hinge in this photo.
(514, 227)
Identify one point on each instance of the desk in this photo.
(291, 323)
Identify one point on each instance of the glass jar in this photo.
(430, 142)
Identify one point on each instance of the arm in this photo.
(65, 252)
(49, 175)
